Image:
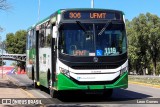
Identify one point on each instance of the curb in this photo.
(144, 84)
(22, 88)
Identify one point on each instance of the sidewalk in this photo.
(21, 80)
(10, 90)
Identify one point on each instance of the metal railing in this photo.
(16, 57)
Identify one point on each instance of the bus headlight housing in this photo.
(123, 70)
(64, 71)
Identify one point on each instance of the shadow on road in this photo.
(118, 96)
(7, 84)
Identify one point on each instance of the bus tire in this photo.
(53, 93)
(108, 93)
(48, 78)
(34, 82)
(32, 73)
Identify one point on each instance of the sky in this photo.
(24, 13)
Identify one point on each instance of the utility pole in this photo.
(1, 46)
(39, 3)
(2, 58)
(92, 3)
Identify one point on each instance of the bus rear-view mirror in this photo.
(54, 32)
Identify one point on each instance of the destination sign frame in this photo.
(92, 15)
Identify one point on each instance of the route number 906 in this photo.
(74, 15)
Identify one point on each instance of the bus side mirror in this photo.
(54, 32)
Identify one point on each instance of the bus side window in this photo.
(30, 40)
(48, 37)
(42, 39)
(33, 38)
(27, 37)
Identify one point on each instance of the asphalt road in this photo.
(134, 95)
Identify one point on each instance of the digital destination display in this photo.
(92, 15)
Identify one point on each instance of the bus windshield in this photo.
(96, 40)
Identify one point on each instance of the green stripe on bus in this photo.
(64, 83)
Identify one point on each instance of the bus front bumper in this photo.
(64, 83)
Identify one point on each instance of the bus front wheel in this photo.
(35, 84)
(33, 78)
(53, 93)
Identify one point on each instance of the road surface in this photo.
(8, 91)
(133, 95)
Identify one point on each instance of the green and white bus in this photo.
(78, 49)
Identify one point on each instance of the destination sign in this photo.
(92, 15)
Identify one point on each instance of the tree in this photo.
(153, 23)
(137, 46)
(133, 57)
(2, 48)
(4, 5)
(10, 42)
(1, 63)
(144, 42)
(16, 43)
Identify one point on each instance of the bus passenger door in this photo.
(53, 55)
(37, 56)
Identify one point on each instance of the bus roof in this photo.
(71, 9)
(91, 9)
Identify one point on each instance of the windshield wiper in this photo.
(81, 25)
(87, 33)
(104, 28)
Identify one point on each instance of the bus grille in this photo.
(95, 66)
(95, 82)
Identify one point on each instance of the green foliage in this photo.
(158, 69)
(144, 42)
(1, 63)
(16, 43)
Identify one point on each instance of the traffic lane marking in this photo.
(26, 92)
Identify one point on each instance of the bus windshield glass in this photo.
(76, 41)
(112, 41)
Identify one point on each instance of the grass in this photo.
(145, 79)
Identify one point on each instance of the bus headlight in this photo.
(123, 70)
(64, 71)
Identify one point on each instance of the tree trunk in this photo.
(154, 68)
(144, 71)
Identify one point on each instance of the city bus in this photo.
(78, 50)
